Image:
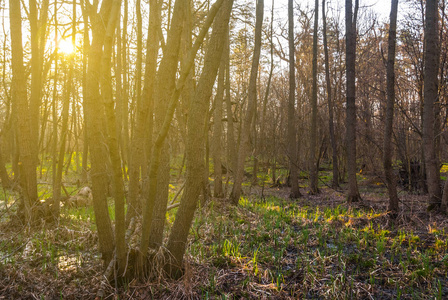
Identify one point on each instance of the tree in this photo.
(217, 129)
(431, 84)
(334, 152)
(350, 27)
(390, 93)
(195, 163)
(27, 163)
(292, 131)
(95, 118)
(57, 183)
(313, 136)
(251, 106)
(150, 197)
(165, 85)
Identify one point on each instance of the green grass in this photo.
(270, 247)
(288, 250)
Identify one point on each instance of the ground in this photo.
(267, 247)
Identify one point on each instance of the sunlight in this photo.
(66, 47)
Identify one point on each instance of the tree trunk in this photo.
(350, 27)
(94, 115)
(162, 134)
(27, 162)
(217, 129)
(86, 50)
(268, 89)
(57, 184)
(231, 147)
(149, 83)
(334, 152)
(313, 136)
(165, 86)
(387, 147)
(106, 93)
(431, 84)
(292, 128)
(251, 107)
(195, 145)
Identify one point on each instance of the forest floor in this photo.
(267, 247)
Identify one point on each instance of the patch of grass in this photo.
(286, 249)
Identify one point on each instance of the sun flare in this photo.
(66, 47)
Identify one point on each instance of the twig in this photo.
(177, 194)
(172, 206)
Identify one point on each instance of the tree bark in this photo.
(94, 115)
(166, 77)
(231, 147)
(387, 147)
(106, 93)
(217, 129)
(431, 84)
(313, 136)
(27, 162)
(334, 152)
(292, 129)
(350, 27)
(37, 53)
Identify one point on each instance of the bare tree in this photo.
(350, 27)
(387, 147)
(334, 148)
(313, 136)
(431, 85)
(251, 107)
(195, 163)
(292, 129)
(27, 169)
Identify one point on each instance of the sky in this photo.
(382, 7)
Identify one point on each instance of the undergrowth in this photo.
(267, 247)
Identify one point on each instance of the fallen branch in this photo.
(172, 206)
(177, 194)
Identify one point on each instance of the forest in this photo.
(223, 149)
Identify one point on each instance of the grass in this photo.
(317, 247)
(279, 248)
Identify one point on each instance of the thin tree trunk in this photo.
(350, 25)
(136, 158)
(387, 152)
(313, 136)
(292, 129)
(125, 90)
(86, 49)
(217, 130)
(431, 84)
(166, 77)
(106, 92)
(57, 184)
(231, 147)
(55, 119)
(36, 76)
(94, 114)
(268, 87)
(149, 81)
(27, 164)
(251, 107)
(335, 180)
